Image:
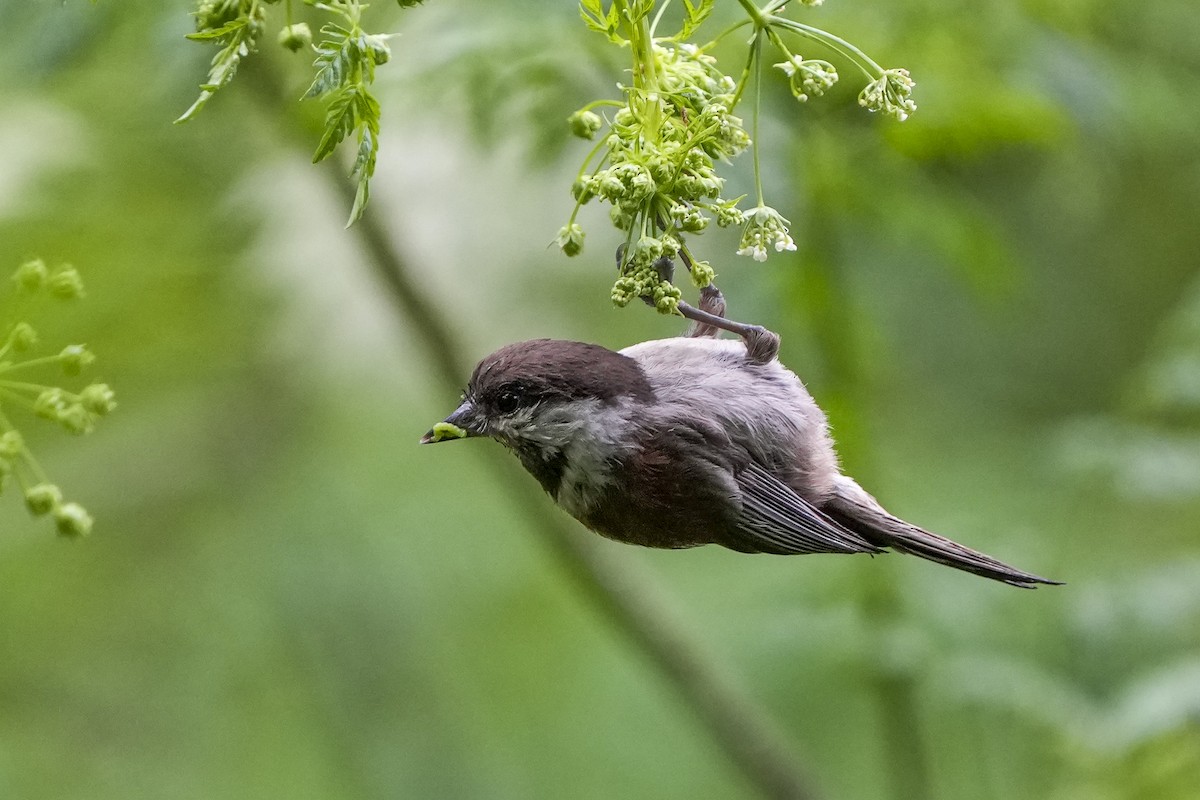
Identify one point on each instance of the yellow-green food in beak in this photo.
(442, 431)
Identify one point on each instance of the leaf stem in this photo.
(662, 7)
(33, 362)
(756, 48)
(835, 43)
(736, 26)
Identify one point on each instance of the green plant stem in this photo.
(834, 43)
(603, 102)
(26, 456)
(33, 362)
(662, 8)
(19, 399)
(645, 72)
(28, 387)
(756, 50)
(615, 585)
(743, 80)
(753, 13)
(732, 28)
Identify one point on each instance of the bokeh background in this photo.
(998, 303)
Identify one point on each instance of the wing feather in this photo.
(774, 519)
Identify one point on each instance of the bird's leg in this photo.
(711, 302)
(762, 345)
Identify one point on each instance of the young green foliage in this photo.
(346, 61)
(345, 68)
(75, 412)
(657, 166)
(236, 27)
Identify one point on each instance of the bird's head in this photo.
(537, 397)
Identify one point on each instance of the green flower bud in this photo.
(610, 186)
(72, 519)
(624, 290)
(76, 419)
(74, 358)
(43, 498)
(98, 398)
(728, 214)
(377, 46)
(702, 274)
(811, 78)
(647, 250)
(584, 124)
(66, 284)
(31, 275)
(570, 239)
(667, 300)
(621, 219)
(295, 37)
(641, 185)
(11, 445)
(50, 404)
(661, 169)
(22, 337)
(581, 190)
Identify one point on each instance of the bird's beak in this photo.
(459, 425)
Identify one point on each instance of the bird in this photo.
(688, 441)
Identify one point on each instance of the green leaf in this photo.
(601, 21)
(240, 38)
(346, 59)
(340, 120)
(335, 60)
(216, 33)
(364, 167)
(694, 14)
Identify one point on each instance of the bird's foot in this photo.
(762, 345)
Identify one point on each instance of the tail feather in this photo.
(861, 513)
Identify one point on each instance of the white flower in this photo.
(764, 226)
(891, 93)
(758, 251)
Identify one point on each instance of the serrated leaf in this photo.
(216, 33)
(597, 19)
(239, 36)
(364, 167)
(638, 10)
(694, 14)
(340, 120)
(334, 62)
(345, 63)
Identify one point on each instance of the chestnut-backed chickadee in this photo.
(688, 441)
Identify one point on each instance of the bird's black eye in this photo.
(508, 401)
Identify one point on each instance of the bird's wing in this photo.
(774, 519)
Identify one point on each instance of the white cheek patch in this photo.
(588, 435)
(514, 427)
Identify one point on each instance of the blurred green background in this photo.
(998, 303)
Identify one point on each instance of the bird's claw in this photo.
(762, 345)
